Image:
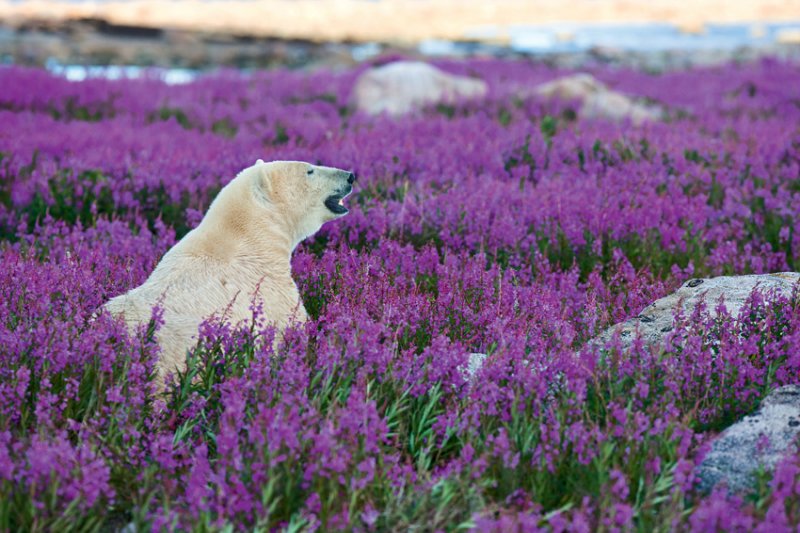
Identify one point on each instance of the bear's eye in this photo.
(310, 172)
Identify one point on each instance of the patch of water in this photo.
(172, 76)
(645, 37)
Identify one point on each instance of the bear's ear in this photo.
(264, 180)
(260, 162)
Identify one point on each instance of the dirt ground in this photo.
(401, 21)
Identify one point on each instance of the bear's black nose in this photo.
(351, 178)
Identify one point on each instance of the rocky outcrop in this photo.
(97, 42)
(758, 441)
(657, 319)
(597, 100)
(406, 86)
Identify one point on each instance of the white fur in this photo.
(241, 250)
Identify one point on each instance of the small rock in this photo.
(597, 100)
(739, 451)
(474, 363)
(129, 528)
(406, 86)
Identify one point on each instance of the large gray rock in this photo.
(738, 452)
(597, 100)
(657, 319)
(758, 441)
(405, 86)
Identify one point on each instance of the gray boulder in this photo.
(403, 87)
(657, 319)
(597, 100)
(758, 441)
(739, 451)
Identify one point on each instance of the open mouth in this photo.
(336, 204)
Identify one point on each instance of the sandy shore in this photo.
(402, 21)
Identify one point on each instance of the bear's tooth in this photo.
(341, 201)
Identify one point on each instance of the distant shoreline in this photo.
(180, 35)
(400, 22)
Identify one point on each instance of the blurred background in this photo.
(79, 38)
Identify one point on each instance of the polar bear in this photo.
(241, 250)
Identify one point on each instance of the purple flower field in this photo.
(506, 227)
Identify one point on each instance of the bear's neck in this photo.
(243, 235)
(266, 250)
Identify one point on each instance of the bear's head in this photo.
(302, 195)
(279, 199)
